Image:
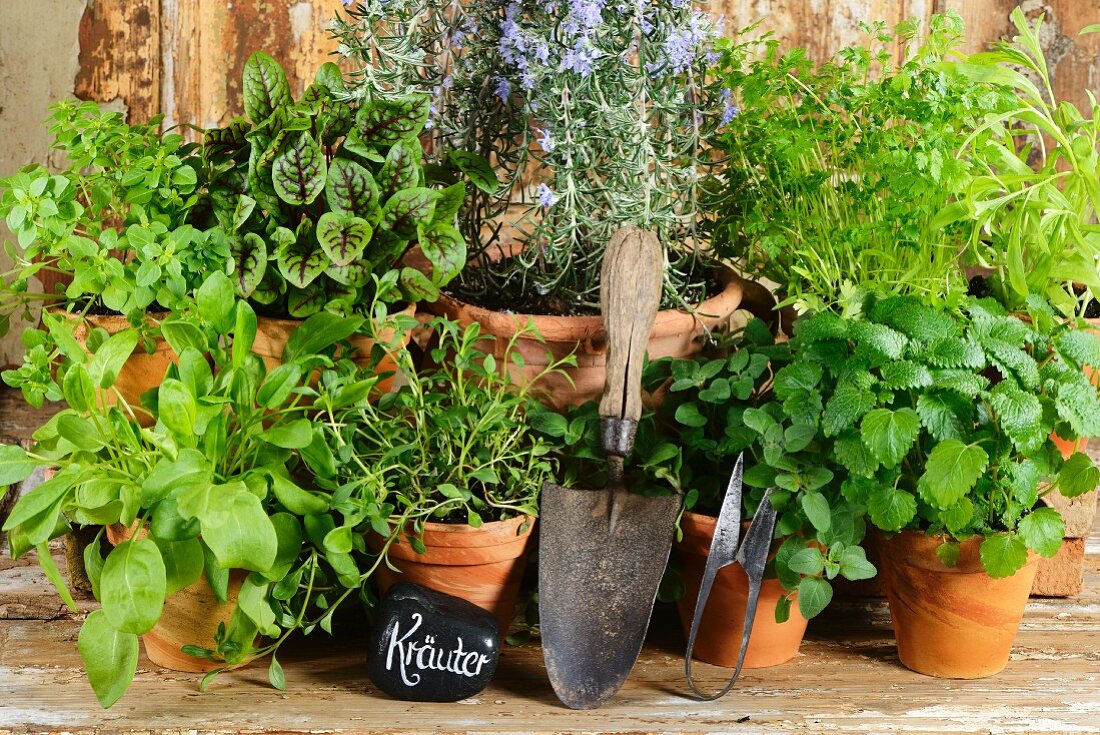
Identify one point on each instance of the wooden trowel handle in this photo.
(630, 292)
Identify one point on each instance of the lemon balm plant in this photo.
(215, 493)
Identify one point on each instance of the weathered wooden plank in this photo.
(849, 685)
(1074, 59)
(207, 42)
(822, 27)
(120, 55)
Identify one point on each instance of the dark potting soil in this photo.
(526, 301)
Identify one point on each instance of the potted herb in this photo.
(1031, 205)
(592, 117)
(217, 539)
(942, 423)
(836, 174)
(711, 409)
(112, 233)
(443, 475)
(323, 200)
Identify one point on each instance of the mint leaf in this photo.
(890, 434)
(1020, 415)
(943, 415)
(958, 516)
(848, 405)
(954, 353)
(1077, 476)
(1079, 347)
(891, 509)
(814, 595)
(952, 470)
(1003, 555)
(796, 380)
(1043, 530)
(854, 455)
(948, 553)
(905, 374)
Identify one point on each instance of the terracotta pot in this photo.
(719, 639)
(951, 622)
(482, 565)
(143, 370)
(675, 334)
(190, 616)
(273, 334)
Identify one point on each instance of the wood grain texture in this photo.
(207, 42)
(1074, 59)
(120, 55)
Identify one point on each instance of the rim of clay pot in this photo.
(918, 549)
(495, 541)
(586, 328)
(274, 332)
(698, 531)
(292, 324)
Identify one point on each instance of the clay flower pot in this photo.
(675, 334)
(719, 639)
(190, 616)
(951, 622)
(143, 371)
(273, 334)
(482, 565)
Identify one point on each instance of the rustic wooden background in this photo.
(184, 57)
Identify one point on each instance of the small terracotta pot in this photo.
(482, 565)
(719, 639)
(190, 617)
(675, 334)
(273, 334)
(142, 371)
(951, 622)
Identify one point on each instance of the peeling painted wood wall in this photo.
(184, 57)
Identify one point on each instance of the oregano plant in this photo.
(942, 422)
(324, 198)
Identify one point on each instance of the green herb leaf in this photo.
(133, 586)
(951, 471)
(1003, 554)
(15, 465)
(249, 262)
(265, 87)
(890, 434)
(816, 508)
(183, 562)
(809, 561)
(383, 122)
(948, 553)
(814, 595)
(343, 237)
(110, 657)
(351, 189)
(891, 509)
(1043, 530)
(216, 302)
(407, 210)
(1078, 476)
(299, 173)
(275, 675)
(479, 171)
(301, 261)
(445, 249)
(854, 565)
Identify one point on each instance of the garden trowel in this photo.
(603, 552)
(726, 549)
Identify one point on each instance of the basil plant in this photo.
(215, 485)
(323, 200)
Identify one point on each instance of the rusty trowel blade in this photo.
(598, 580)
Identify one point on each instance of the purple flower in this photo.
(731, 110)
(347, 3)
(579, 59)
(503, 90)
(546, 141)
(546, 195)
(683, 43)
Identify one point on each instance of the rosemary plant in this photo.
(594, 114)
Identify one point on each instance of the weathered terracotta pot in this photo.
(482, 565)
(190, 617)
(143, 370)
(273, 334)
(675, 334)
(719, 639)
(951, 622)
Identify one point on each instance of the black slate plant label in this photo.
(432, 647)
